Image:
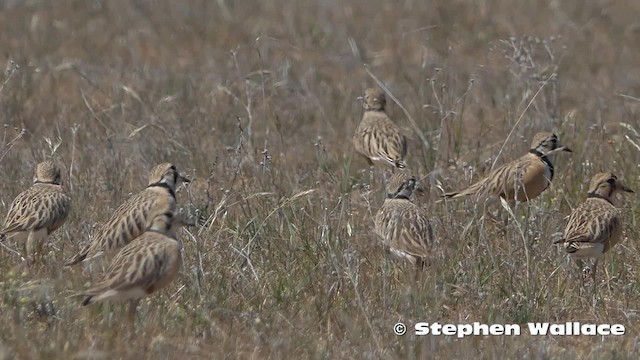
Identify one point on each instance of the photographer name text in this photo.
(573, 328)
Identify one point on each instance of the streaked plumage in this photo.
(142, 266)
(38, 211)
(522, 179)
(596, 225)
(397, 178)
(403, 226)
(377, 137)
(134, 216)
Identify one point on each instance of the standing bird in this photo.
(135, 215)
(377, 138)
(596, 225)
(404, 226)
(522, 179)
(38, 211)
(141, 267)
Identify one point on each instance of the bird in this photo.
(520, 180)
(403, 226)
(38, 211)
(377, 138)
(141, 267)
(134, 216)
(595, 226)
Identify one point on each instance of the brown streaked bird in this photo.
(404, 226)
(596, 225)
(142, 267)
(38, 211)
(377, 138)
(522, 179)
(134, 216)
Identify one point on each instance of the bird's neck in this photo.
(163, 184)
(595, 195)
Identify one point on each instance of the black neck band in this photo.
(163, 185)
(598, 196)
(545, 160)
(537, 153)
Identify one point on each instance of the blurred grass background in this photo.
(257, 101)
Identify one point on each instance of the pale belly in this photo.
(533, 184)
(589, 250)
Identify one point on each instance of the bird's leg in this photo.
(487, 211)
(582, 273)
(489, 215)
(380, 176)
(131, 317)
(514, 204)
(29, 253)
(499, 220)
(131, 314)
(39, 249)
(421, 263)
(371, 175)
(417, 269)
(606, 274)
(34, 244)
(593, 274)
(26, 261)
(505, 222)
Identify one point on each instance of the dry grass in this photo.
(257, 101)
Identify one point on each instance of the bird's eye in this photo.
(611, 181)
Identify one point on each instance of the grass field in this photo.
(257, 102)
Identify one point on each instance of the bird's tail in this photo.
(87, 299)
(400, 164)
(75, 260)
(473, 189)
(451, 195)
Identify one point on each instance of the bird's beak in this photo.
(624, 188)
(565, 148)
(183, 178)
(180, 220)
